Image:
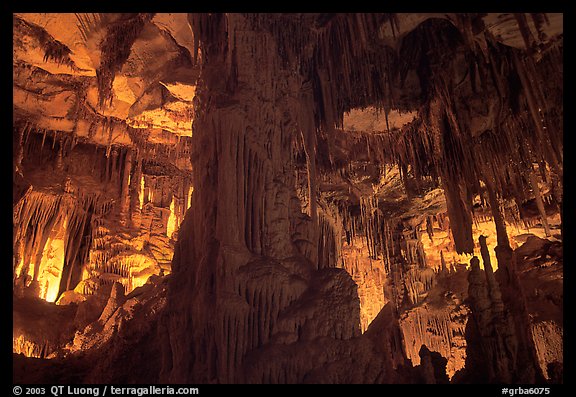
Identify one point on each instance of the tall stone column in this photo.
(114, 164)
(125, 192)
(134, 191)
(243, 129)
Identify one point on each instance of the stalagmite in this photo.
(501, 233)
(493, 287)
(539, 202)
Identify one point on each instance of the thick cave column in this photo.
(453, 177)
(460, 213)
(241, 160)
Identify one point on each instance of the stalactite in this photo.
(534, 112)
(115, 48)
(42, 216)
(525, 30)
(459, 214)
(53, 49)
(59, 158)
(43, 139)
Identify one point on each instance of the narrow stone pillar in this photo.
(134, 189)
(113, 176)
(539, 202)
(443, 262)
(125, 193)
(19, 157)
(501, 234)
(59, 158)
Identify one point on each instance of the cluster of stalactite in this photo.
(500, 121)
(176, 149)
(410, 150)
(442, 331)
(502, 155)
(516, 180)
(20, 345)
(115, 48)
(154, 202)
(59, 207)
(109, 262)
(88, 22)
(114, 164)
(39, 217)
(88, 124)
(429, 148)
(389, 241)
(316, 39)
(339, 82)
(54, 50)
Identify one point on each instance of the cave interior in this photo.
(287, 198)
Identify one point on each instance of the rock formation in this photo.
(288, 198)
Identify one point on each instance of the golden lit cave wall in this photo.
(53, 228)
(50, 241)
(368, 265)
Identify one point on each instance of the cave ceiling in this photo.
(149, 81)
